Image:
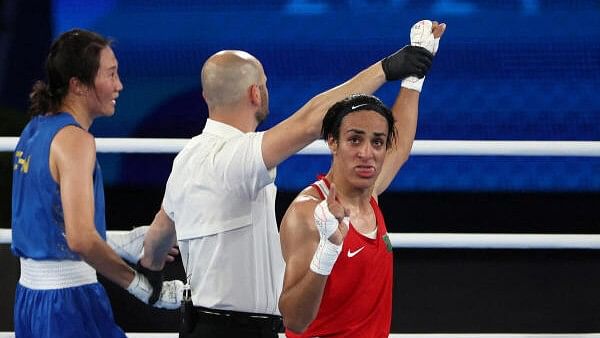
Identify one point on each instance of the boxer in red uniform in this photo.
(338, 277)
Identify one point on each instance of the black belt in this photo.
(265, 321)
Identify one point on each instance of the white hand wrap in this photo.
(327, 252)
(421, 35)
(170, 296)
(129, 245)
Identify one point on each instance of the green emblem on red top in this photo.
(388, 244)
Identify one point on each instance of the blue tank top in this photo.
(38, 226)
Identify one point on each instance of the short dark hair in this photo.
(356, 102)
(75, 53)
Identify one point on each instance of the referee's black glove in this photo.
(408, 61)
(156, 281)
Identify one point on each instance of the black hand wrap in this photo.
(156, 281)
(408, 61)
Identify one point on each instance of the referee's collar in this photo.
(221, 129)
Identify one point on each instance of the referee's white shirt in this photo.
(222, 199)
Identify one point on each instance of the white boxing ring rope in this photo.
(409, 240)
(420, 147)
(398, 335)
(467, 240)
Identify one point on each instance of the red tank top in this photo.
(357, 301)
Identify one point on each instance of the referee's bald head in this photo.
(226, 76)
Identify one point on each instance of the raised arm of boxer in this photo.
(426, 34)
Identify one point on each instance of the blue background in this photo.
(506, 70)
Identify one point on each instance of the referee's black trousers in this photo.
(201, 322)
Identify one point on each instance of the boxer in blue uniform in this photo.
(58, 224)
